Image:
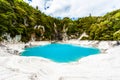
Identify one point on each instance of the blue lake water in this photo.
(60, 52)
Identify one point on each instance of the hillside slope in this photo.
(19, 18)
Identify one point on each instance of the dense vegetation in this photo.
(19, 18)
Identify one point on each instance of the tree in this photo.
(116, 35)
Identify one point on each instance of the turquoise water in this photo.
(60, 52)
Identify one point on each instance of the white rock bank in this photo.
(94, 67)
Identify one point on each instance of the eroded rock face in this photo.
(11, 49)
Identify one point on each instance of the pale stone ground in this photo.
(95, 67)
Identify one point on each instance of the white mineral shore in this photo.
(95, 67)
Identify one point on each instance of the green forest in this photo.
(19, 18)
